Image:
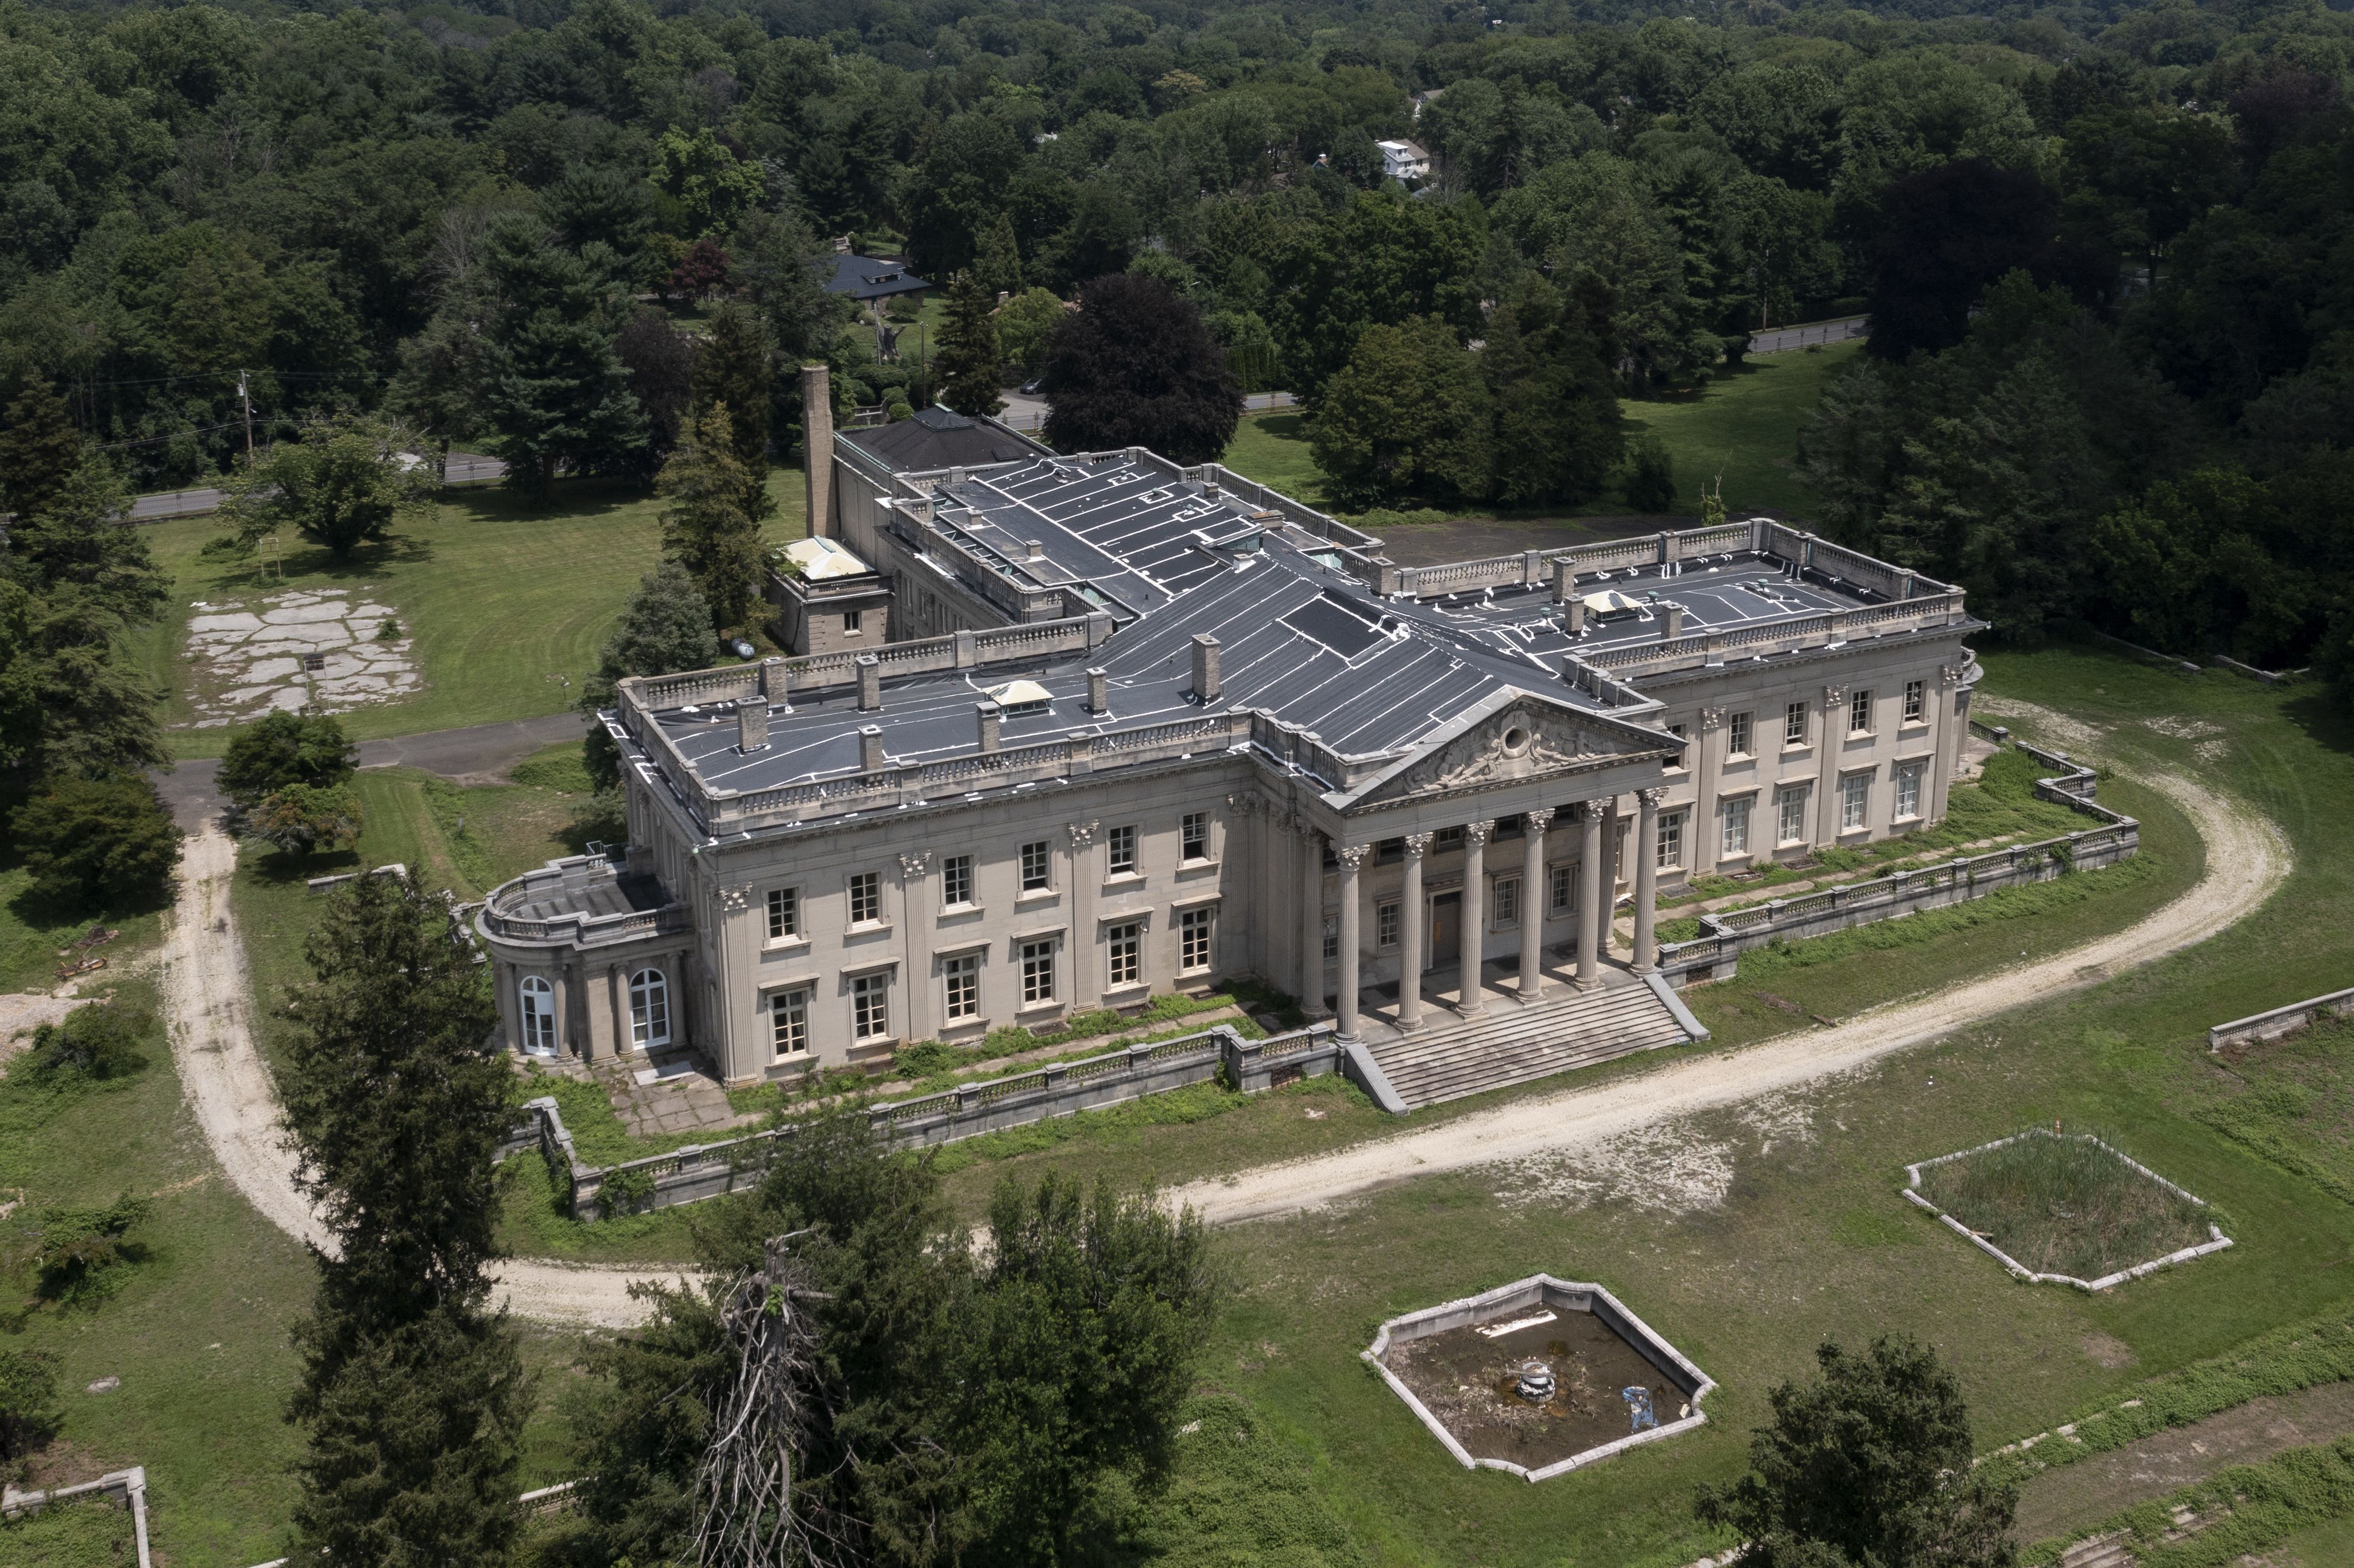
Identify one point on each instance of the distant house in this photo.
(1405, 162)
(1424, 99)
(871, 281)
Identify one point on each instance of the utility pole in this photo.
(248, 403)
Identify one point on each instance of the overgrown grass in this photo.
(2291, 1101)
(1743, 424)
(2065, 1203)
(508, 603)
(2245, 1509)
(86, 1533)
(32, 931)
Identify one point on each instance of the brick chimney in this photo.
(1098, 691)
(1573, 614)
(1672, 622)
(817, 447)
(752, 725)
(870, 748)
(1206, 669)
(991, 716)
(1564, 582)
(870, 683)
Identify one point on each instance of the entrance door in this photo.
(1446, 930)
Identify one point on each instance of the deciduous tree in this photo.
(346, 484)
(1134, 365)
(303, 819)
(665, 628)
(1408, 417)
(281, 748)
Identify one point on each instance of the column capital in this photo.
(1651, 795)
(1950, 675)
(1834, 695)
(1596, 809)
(1352, 856)
(1242, 803)
(1082, 833)
(734, 900)
(1418, 846)
(915, 865)
(1711, 720)
(1536, 822)
(1477, 834)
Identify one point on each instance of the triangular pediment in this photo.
(1515, 737)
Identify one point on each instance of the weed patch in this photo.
(2065, 1205)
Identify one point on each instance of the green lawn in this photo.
(1744, 425)
(1273, 449)
(509, 604)
(32, 932)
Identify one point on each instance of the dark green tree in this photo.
(666, 629)
(996, 259)
(343, 486)
(302, 819)
(1556, 409)
(1407, 416)
(736, 366)
(1650, 476)
(281, 748)
(38, 448)
(554, 386)
(1867, 1468)
(413, 1393)
(1134, 365)
(709, 528)
(83, 548)
(70, 704)
(103, 1041)
(785, 269)
(103, 843)
(968, 364)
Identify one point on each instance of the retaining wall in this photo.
(1063, 1088)
(2281, 1021)
(1724, 937)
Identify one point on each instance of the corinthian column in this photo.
(1591, 911)
(1409, 1013)
(1311, 920)
(1351, 857)
(1533, 860)
(1647, 879)
(1475, 915)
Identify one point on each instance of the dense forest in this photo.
(2106, 249)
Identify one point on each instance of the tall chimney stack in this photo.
(776, 682)
(1098, 691)
(1564, 582)
(870, 748)
(991, 716)
(1573, 614)
(1206, 669)
(870, 683)
(752, 725)
(1672, 625)
(817, 447)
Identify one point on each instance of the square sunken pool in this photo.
(1539, 1376)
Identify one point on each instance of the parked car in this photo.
(1030, 387)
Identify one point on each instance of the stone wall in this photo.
(1061, 1089)
(2281, 1021)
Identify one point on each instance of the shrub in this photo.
(80, 1251)
(97, 842)
(1650, 475)
(29, 1416)
(285, 748)
(301, 818)
(100, 1041)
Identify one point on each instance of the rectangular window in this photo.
(1446, 839)
(1791, 808)
(962, 974)
(1508, 900)
(789, 1021)
(1194, 940)
(1197, 836)
(1511, 826)
(1037, 972)
(1331, 936)
(1683, 757)
(956, 880)
(1908, 792)
(1737, 735)
(1126, 947)
(784, 912)
(1036, 866)
(1855, 802)
(1387, 924)
(1671, 839)
(1794, 724)
(1736, 826)
(1859, 713)
(1123, 845)
(870, 1007)
(867, 898)
(850, 622)
(1917, 701)
(1563, 899)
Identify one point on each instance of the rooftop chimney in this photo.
(1564, 582)
(1034, 549)
(991, 716)
(776, 682)
(752, 725)
(1573, 614)
(1206, 669)
(1672, 624)
(870, 683)
(1098, 691)
(817, 446)
(870, 748)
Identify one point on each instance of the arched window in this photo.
(649, 1010)
(538, 1016)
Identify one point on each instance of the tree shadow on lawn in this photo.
(305, 567)
(2323, 721)
(572, 499)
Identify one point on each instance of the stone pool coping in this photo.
(1910, 1191)
(1544, 1289)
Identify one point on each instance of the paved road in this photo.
(472, 755)
(464, 468)
(1780, 340)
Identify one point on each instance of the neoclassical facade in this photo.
(1174, 728)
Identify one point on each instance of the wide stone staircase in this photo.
(1511, 1044)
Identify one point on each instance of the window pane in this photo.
(1033, 866)
(784, 912)
(1564, 889)
(1739, 740)
(1794, 724)
(789, 1021)
(955, 879)
(1197, 835)
(1194, 940)
(963, 976)
(1508, 900)
(1037, 972)
(1671, 839)
(1123, 850)
(1386, 925)
(1737, 827)
(865, 898)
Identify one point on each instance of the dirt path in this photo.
(209, 999)
(22, 1012)
(2246, 860)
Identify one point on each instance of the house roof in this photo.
(872, 278)
(821, 559)
(939, 438)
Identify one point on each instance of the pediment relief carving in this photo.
(1519, 743)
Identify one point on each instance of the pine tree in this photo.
(553, 383)
(38, 449)
(735, 366)
(997, 260)
(969, 362)
(412, 1390)
(666, 628)
(1556, 413)
(708, 528)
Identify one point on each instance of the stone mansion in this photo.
(1129, 728)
